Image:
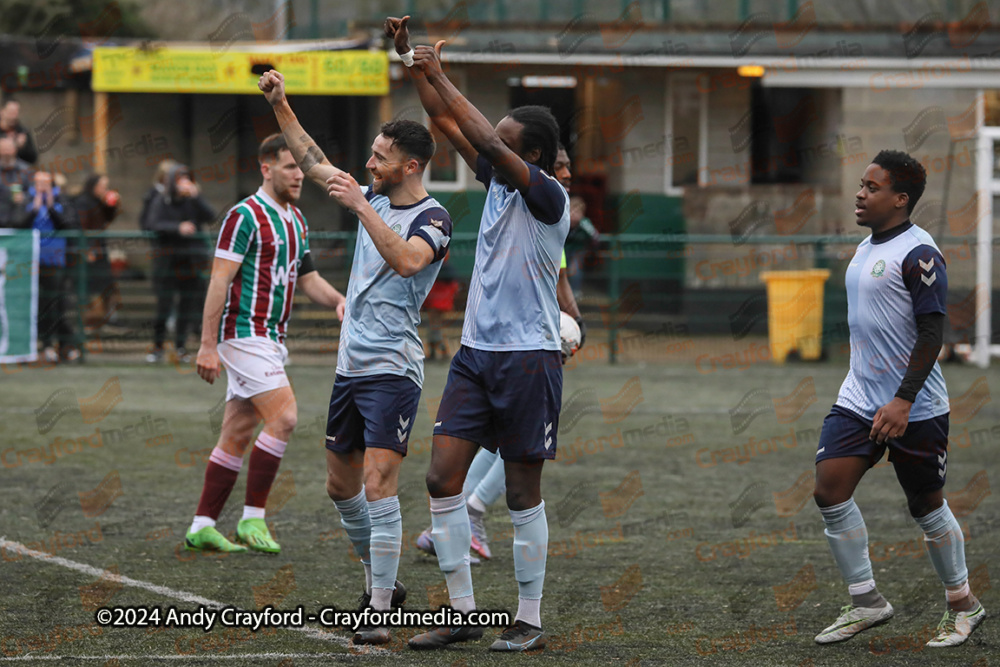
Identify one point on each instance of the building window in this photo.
(782, 139)
(447, 170)
(685, 126)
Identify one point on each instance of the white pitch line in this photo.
(200, 658)
(183, 596)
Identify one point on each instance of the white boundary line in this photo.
(200, 658)
(183, 596)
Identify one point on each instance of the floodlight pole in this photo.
(280, 7)
(986, 188)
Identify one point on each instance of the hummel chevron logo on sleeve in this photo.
(928, 267)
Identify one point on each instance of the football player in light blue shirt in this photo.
(504, 388)
(894, 397)
(484, 482)
(403, 235)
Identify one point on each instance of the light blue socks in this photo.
(386, 539)
(945, 545)
(357, 524)
(531, 545)
(452, 539)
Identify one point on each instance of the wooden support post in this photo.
(101, 131)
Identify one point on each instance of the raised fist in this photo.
(272, 84)
(396, 30)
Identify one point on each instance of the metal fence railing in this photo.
(631, 282)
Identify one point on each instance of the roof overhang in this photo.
(785, 71)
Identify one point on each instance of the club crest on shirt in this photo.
(879, 269)
(397, 228)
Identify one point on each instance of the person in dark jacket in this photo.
(582, 239)
(15, 179)
(96, 208)
(158, 187)
(48, 212)
(180, 257)
(10, 126)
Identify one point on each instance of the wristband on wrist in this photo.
(407, 58)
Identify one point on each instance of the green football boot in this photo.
(254, 534)
(210, 539)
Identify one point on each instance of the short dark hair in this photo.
(906, 174)
(411, 137)
(541, 131)
(270, 147)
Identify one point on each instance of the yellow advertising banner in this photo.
(130, 70)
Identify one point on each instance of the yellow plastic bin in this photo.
(795, 312)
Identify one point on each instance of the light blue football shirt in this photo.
(379, 332)
(512, 296)
(889, 283)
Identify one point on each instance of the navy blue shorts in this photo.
(919, 456)
(506, 401)
(371, 411)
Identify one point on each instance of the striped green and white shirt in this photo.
(271, 244)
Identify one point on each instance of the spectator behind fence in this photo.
(582, 239)
(15, 178)
(96, 208)
(180, 257)
(158, 187)
(10, 126)
(49, 212)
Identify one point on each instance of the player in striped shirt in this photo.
(403, 235)
(262, 254)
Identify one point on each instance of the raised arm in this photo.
(305, 151)
(203, 210)
(435, 107)
(407, 257)
(472, 124)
